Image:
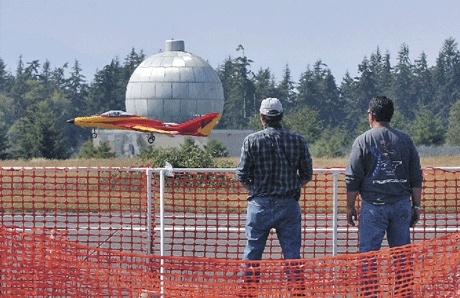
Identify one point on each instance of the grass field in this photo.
(432, 161)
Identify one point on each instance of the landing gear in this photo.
(151, 139)
(94, 134)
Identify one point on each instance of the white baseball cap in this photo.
(271, 107)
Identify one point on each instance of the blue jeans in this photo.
(376, 220)
(283, 215)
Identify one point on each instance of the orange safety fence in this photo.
(35, 265)
(141, 232)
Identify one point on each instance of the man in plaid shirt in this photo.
(275, 163)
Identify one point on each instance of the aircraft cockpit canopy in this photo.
(116, 113)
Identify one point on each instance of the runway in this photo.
(201, 235)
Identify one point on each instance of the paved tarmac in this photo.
(201, 235)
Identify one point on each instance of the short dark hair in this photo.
(382, 107)
(272, 120)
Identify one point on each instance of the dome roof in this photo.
(174, 86)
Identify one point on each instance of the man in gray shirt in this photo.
(384, 169)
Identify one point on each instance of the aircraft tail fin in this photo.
(206, 129)
(200, 126)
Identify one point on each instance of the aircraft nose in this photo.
(71, 121)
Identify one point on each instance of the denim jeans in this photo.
(376, 220)
(283, 215)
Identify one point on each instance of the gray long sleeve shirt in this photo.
(383, 166)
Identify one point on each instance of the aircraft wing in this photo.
(152, 129)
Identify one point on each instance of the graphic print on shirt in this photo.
(386, 166)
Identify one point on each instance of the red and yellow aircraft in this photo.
(199, 126)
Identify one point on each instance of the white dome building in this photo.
(174, 86)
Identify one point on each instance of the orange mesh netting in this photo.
(115, 232)
(34, 265)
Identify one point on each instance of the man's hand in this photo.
(415, 217)
(352, 215)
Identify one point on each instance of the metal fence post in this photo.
(150, 210)
(335, 211)
(162, 231)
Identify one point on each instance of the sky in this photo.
(274, 34)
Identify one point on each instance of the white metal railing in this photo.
(168, 171)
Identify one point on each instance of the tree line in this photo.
(36, 100)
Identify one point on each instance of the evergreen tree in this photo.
(44, 77)
(317, 89)
(4, 144)
(286, 90)
(6, 79)
(232, 87)
(308, 89)
(264, 85)
(38, 136)
(19, 88)
(243, 64)
(239, 92)
(446, 74)
(453, 129)
(76, 91)
(348, 96)
(39, 108)
(366, 87)
(87, 150)
(399, 122)
(104, 150)
(306, 121)
(403, 88)
(7, 116)
(108, 90)
(332, 102)
(381, 69)
(31, 71)
(332, 143)
(385, 78)
(58, 77)
(426, 129)
(76, 88)
(423, 82)
(132, 61)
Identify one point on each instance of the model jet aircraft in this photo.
(199, 126)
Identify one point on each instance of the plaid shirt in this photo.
(274, 163)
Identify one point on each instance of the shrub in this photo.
(216, 148)
(87, 150)
(188, 155)
(331, 144)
